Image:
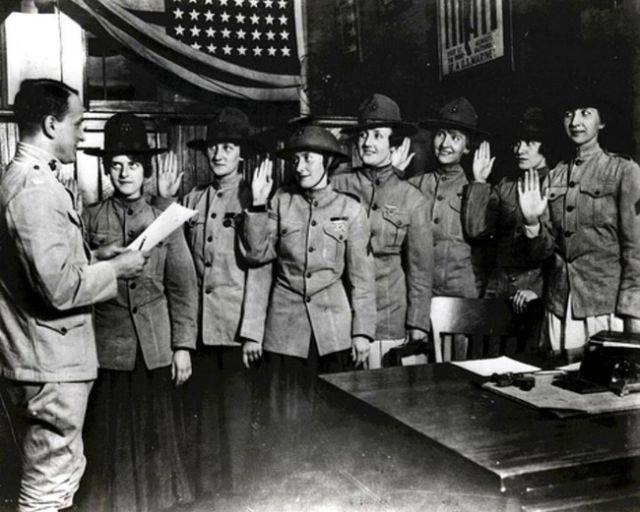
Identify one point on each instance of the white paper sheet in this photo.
(168, 221)
(503, 364)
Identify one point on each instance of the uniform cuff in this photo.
(532, 231)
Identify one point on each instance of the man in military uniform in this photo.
(48, 281)
(588, 221)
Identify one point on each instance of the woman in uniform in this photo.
(456, 267)
(400, 226)
(227, 312)
(315, 236)
(144, 337)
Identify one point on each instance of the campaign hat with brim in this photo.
(458, 114)
(312, 138)
(231, 125)
(533, 124)
(585, 94)
(381, 111)
(125, 134)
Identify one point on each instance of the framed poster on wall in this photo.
(472, 33)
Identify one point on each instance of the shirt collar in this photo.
(317, 194)
(587, 153)
(26, 151)
(380, 174)
(228, 181)
(126, 204)
(449, 172)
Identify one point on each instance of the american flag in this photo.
(259, 34)
(249, 49)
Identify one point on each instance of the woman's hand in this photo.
(169, 178)
(400, 157)
(251, 352)
(521, 298)
(417, 335)
(482, 163)
(181, 366)
(262, 182)
(532, 201)
(360, 347)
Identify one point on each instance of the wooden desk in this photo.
(531, 454)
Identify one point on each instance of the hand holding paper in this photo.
(170, 220)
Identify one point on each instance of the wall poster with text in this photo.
(470, 33)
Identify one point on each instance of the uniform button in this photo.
(130, 211)
(512, 279)
(219, 194)
(207, 264)
(133, 286)
(567, 234)
(209, 238)
(36, 167)
(444, 178)
(130, 232)
(308, 299)
(373, 232)
(440, 198)
(374, 207)
(377, 182)
(63, 331)
(578, 161)
(134, 310)
(597, 192)
(313, 222)
(226, 223)
(214, 215)
(570, 208)
(436, 220)
(315, 203)
(572, 184)
(308, 275)
(208, 291)
(340, 237)
(311, 249)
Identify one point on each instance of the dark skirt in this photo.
(288, 384)
(219, 400)
(135, 443)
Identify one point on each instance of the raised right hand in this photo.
(169, 178)
(532, 201)
(482, 162)
(262, 182)
(129, 264)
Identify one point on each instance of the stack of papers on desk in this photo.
(487, 367)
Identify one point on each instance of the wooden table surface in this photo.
(529, 451)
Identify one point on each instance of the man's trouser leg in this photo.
(48, 419)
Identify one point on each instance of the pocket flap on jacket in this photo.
(398, 219)
(62, 325)
(337, 231)
(598, 189)
(555, 192)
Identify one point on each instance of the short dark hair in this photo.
(145, 160)
(39, 98)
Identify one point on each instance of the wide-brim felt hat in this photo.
(312, 138)
(380, 111)
(231, 125)
(458, 114)
(532, 124)
(125, 134)
(587, 93)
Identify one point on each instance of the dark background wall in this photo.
(554, 44)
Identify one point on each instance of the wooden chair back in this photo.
(473, 317)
